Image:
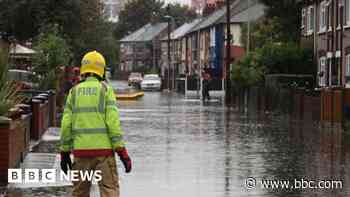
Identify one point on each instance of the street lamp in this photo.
(228, 52)
(248, 30)
(170, 19)
(168, 45)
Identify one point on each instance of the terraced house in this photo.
(142, 47)
(207, 44)
(178, 45)
(325, 27)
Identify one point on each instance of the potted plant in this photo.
(13, 132)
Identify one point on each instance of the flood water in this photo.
(183, 147)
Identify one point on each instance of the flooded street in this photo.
(183, 147)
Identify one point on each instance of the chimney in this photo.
(209, 9)
(220, 4)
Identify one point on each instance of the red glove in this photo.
(124, 157)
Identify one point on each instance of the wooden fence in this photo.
(326, 106)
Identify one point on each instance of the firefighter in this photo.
(90, 130)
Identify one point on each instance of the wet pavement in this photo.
(183, 147)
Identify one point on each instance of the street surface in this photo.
(182, 147)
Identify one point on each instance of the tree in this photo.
(263, 32)
(52, 53)
(287, 58)
(247, 72)
(272, 58)
(181, 13)
(24, 18)
(288, 14)
(138, 13)
(79, 22)
(98, 36)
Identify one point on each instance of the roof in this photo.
(19, 49)
(145, 33)
(253, 13)
(182, 30)
(241, 11)
(211, 19)
(215, 16)
(244, 12)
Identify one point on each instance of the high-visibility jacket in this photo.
(90, 124)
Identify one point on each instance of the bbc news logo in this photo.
(52, 175)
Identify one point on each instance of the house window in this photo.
(347, 65)
(347, 12)
(323, 16)
(310, 20)
(322, 71)
(303, 18)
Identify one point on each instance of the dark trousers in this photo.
(205, 90)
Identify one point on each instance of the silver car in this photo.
(151, 82)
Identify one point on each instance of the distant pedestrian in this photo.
(206, 85)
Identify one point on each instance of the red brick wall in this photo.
(14, 144)
(4, 153)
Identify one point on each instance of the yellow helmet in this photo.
(93, 62)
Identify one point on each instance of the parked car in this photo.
(23, 77)
(151, 82)
(135, 79)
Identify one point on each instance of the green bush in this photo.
(8, 90)
(272, 58)
(52, 52)
(286, 58)
(247, 72)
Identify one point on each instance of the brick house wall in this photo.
(139, 53)
(329, 40)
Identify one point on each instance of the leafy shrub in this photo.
(52, 52)
(286, 58)
(247, 72)
(8, 90)
(281, 58)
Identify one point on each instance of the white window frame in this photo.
(347, 12)
(323, 17)
(303, 15)
(347, 64)
(310, 18)
(322, 68)
(329, 16)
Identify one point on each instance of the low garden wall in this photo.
(35, 117)
(326, 105)
(14, 143)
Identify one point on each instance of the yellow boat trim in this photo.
(129, 96)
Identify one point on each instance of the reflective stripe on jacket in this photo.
(90, 124)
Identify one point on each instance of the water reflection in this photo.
(191, 149)
(209, 150)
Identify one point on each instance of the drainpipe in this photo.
(341, 19)
(315, 40)
(331, 16)
(199, 65)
